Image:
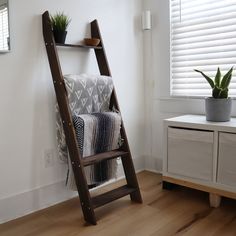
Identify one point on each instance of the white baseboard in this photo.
(25, 203)
(28, 202)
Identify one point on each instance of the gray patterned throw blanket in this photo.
(97, 129)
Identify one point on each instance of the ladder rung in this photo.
(90, 160)
(78, 46)
(112, 195)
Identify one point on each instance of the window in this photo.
(4, 32)
(203, 36)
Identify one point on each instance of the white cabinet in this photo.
(201, 155)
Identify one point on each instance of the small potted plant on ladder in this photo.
(60, 23)
(218, 107)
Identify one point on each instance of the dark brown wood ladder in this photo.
(88, 203)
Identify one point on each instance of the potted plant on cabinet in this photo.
(60, 23)
(218, 107)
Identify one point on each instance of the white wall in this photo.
(27, 120)
(157, 79)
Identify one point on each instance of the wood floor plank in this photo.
(181, 215)
(209, 225)
(181, 211)
(228, 229)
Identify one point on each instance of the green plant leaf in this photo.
(209, 80)
(60, 21)
(217, 77)
(226, 79)
(216, 92)
(223, 93)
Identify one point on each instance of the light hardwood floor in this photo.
(178, 212)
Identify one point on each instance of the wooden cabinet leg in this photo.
(214, 200)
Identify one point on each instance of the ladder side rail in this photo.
(126, 160)
(68, 127)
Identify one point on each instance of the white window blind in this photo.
(4, 31)
(203, 36)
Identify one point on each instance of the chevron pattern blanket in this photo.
(97, 129)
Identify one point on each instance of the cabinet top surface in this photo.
(201, 120)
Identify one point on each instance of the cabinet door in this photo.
(190, 153)
(227, 159)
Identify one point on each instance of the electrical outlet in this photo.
(48, 158)
(119, 160)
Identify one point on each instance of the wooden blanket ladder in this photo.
(88, 203)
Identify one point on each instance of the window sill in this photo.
(178, 98)
(182, 98)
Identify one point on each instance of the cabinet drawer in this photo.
(227, 159)
(190, 153)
